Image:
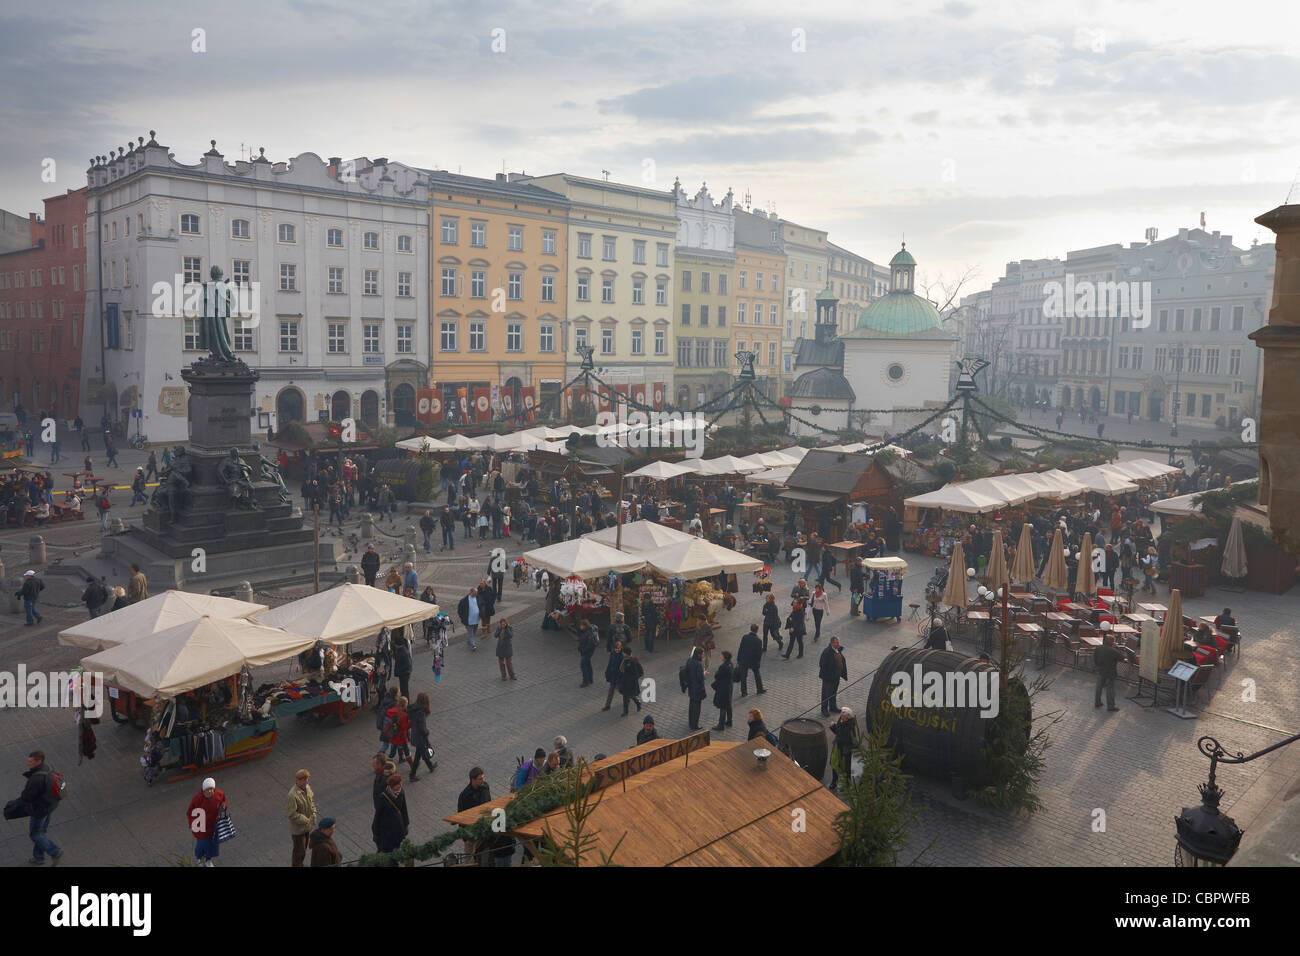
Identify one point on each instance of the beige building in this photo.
(704, 301)
(852, 281)
(807, 258)
(760, 300)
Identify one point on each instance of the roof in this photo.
(899, 314)
(519, 190)
(812, 497)
(822, 383)
(829, 471)
(902, 258)
(808, 352)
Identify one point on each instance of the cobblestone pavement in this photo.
(1139, 766)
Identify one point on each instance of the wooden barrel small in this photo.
(805, 740)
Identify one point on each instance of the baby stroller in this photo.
(520, 573)
(436, 630)
(938, 581)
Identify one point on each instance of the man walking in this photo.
(403, 664)
(370, 565)
(300, 808)
(94, 597)
(630, 673)
(587, 645)
(30, 593)
(1106, 657)
(448, 525)
(832, 669)
(137, 488)
(695, 687)
(37, 803)
(427, 526)
(467, 611)
(81, 433)
(137, 587)
(795, 625)
(749, 656)
(111, 450)
(151, 467)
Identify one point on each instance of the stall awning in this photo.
(812, 497)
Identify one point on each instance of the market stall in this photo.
(586, 577)
(687, 580)
(884, 594)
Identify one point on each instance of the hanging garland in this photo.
(1046, 433)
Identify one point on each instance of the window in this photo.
(404, 284)
(288, 335)
(335, 280)
(805, 270)
(447, 337)
(740, 313)
(478, 337)
(661, 254)
(548, 288)
(638, 342)
(189, 225)
(684, 353)
(704, 282)
(720, 353)
(548, 242)
(740, 347)
(722, 316)
(789, 328)
(580, 337)
(405, 338)
(1137, 358)
(370, 240)
(638, 292)
(607, 248)
(1196, 320)
(1160, 359)
(477, 284)
(238, 229)
(686, 314)
(1178, 320)
(127, 324)
(788, 358)
(584, 288)
(1234, 360)
(1205, 405)
(638, 252)
(1238, 317)
(606, 341)
(243, 337)
(743, 276)
(722, 283)
(661, 291)
(478, 234)
(192, 269)
(449, 281)
(370, 332)
(546, 338)
(515, 337)
(336, 338)
(758, 283)
(334, 238)
(450, 230)
(686, 280)
(76, 230)
(1122, 360)
(1211, 361)
(771, 315)
(1164, 320)
(1194, 361)
(661, 342)
(702, 353)
(241, 271)
(515, 285)
(704, 315)
(404, 244)
(1216, 317)
(515, 239)
(606, 290)
(1119, 402)
(584, 245)
(287, 233)
(771, 353)
(288, 277)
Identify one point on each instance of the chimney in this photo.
(514, 177)
(1182, 233)
(501, 178)
(381, 161)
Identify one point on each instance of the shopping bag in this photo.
(225, 828)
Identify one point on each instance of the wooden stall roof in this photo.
(724, 811)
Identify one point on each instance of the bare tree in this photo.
(944, 292)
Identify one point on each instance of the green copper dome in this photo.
(902, 258)
(899, 313)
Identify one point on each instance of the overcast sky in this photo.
(985, 131)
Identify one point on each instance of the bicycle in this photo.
(139, 441)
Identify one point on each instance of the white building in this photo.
(337, 254)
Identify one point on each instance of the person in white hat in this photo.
(31, 591)
(202, 819)
(845, 731)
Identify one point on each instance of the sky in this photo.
(983, 132)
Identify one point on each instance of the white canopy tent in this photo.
(1142, 469)
(772, 476)
(639, 537)
(771, 459)
(190, 655)
(584, 557)
(158, 613)
(1006, 488)
(725, 465)
(423, 443)
(957, 497)
(1103, 480)
(795, 451)
(347, 613)
(660, 470)
(698, 558)
(1065, 480)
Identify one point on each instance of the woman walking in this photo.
(506, 648)
(395, 727)
(612, 672)
(772, 622)
(418, 714)
(820, 604)
(391, 818)
(202, 815)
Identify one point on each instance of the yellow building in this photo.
(499, 248)
(759, 297)
(705, 300)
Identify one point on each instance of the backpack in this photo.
(390, 727)
(771, 739)
(681, 677)
(104, 503)
(58, 787)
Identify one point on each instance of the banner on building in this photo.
(424, 406)
(528, 399)
(508, 402)
(659, 396)
(638, 394)
(623, 391)
(482, 405)
(496, 399)
(602, 397)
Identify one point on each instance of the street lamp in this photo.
(1205, 836)
(1178, 398)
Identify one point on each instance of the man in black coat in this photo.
(587, 644)
(795, 625)
(370, 565)
(832, 669)
(1106, 658)
(695, 687)
(37, 803)
(649, 623)
(722, 691)
(403, 664)
(749, 656)
(630, 673)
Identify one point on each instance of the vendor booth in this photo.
(884, 595)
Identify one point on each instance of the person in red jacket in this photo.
(202, 819)
(396, 724)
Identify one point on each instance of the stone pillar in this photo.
(408, 554)
(36, 551)
(1279, 420)
(116, 525)
(367, 525)
(244, 592)
(410, 537)
(354, 574)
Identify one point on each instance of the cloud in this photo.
(957, 10)
(926, 118)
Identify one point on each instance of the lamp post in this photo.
(1178, 398)
(1205, 836)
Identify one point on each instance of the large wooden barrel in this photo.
(805, 740)
(939, 739)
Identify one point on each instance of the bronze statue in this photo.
(173, 484)
(271, 472)
(238, 479)
(214, 332)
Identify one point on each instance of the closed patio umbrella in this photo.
(1024, 566)
(954, 595)
(1056, 576)
(996, 575)
(1234, 552)
(1171, 633)
(1086, 584)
